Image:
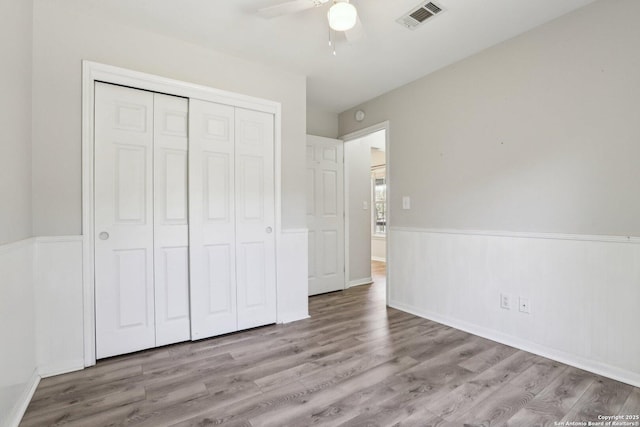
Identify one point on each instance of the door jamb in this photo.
(386, 126)
(95, 72)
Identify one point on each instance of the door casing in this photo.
(95, 72)
(386, 126)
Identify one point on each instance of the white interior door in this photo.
(325, 214)
(255, 218)
(212, 219)
(171, 229)
(123, 220)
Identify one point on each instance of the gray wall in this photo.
(322, 123)
(539, 133)
(63, 38)
(357, 170)
(15, 110)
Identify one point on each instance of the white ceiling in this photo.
(390, 55)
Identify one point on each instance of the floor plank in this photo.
(603, 397)
(554, 401)
(354, 362)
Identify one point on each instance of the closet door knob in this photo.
(103, 236)
(269, 230)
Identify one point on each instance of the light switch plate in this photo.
(406, 202)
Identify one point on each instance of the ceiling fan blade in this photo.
(356, 33)
(286, 8)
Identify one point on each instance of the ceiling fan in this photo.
(342, 16)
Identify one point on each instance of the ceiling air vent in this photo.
(419, 15)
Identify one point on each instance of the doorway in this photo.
(378, 198)
(366, 210)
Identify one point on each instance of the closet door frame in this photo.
(93, 72)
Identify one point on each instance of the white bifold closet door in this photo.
(232, 215)
(141, 228)
(171, 216)
(212, 219)
(255, 219)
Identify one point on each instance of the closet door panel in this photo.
(212, 219)
(219, 278)
(171, 229)
(123, 220)
(255, 218)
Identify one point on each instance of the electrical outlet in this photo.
(505, 301)
(524, 305)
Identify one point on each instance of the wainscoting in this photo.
(18, 372)
(583, 291)
(40, 317)
(292, 275)
(59, 306)
(41, 310)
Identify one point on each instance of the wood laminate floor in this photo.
(355, 362)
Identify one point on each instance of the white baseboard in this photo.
(596, 367)
(292, 317)
(379, 259)
(15, 416)
(359, 282)
(53, 369)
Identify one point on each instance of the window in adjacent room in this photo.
(379, 204)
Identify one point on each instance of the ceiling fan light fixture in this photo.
(342, 16)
